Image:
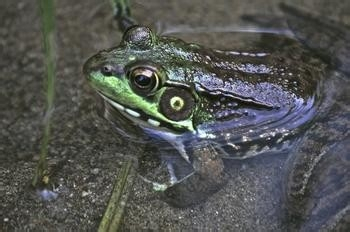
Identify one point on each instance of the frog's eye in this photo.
(144, 80)
(176, 103)
(138, 37)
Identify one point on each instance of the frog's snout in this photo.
(104, 63)
(94, 63)
(88, 65)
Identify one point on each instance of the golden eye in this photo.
(144, 80)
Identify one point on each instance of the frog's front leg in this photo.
(208, 177)
(122, 14)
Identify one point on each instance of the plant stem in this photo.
(121, 189)
(48, 31)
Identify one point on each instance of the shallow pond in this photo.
(85, 152)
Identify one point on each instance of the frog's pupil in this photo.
(142, 80)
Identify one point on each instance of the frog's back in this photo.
(259, 100)
(234, 97)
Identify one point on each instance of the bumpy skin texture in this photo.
(220, 85)
(223, 86)
(241, 99)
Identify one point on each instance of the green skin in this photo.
(255, 84)
(250, 83)
(205, 99)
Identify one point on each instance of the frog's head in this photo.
(133, 79)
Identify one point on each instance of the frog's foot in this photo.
(208, 178)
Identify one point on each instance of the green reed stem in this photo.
(48, 30)
(123, 181)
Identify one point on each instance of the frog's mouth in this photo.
(139, 117)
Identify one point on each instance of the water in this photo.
(83, 142)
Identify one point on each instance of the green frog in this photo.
(213, 104)
(235, 104)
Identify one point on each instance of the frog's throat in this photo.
(141, 118)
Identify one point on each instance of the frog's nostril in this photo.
(107, 70)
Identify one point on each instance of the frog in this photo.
(201, 106)
(205, 103)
